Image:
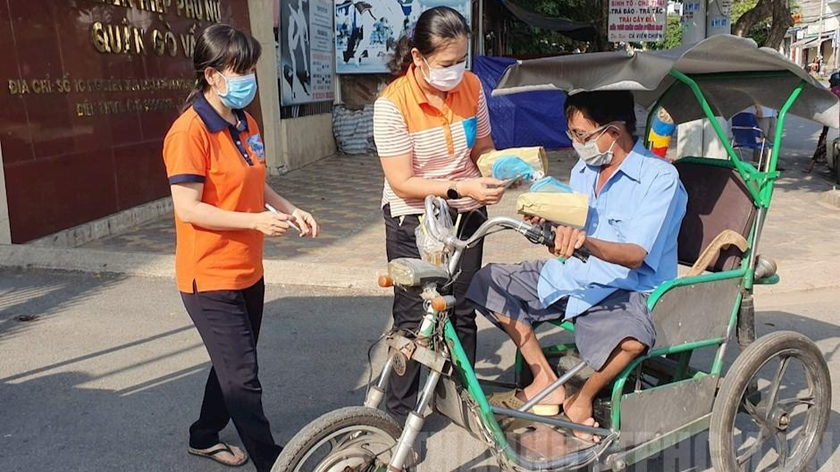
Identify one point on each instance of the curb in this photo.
(796, 277)
(162, 266)
(831, 197)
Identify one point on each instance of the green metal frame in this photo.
(470, 381)
(760, 186)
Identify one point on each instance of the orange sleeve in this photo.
(185, 154)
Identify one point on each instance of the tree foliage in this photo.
(527, 40)
(673, 34)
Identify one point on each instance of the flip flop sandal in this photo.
(510, 401)
(212, 454)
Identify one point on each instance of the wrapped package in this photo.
(533, 156)
(567, 209)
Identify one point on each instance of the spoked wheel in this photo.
(779, 426)
(354, 439)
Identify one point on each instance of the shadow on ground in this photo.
(70, 415)
(23, 304)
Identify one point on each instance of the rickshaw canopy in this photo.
(733, 74)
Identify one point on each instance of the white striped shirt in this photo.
(439, 142)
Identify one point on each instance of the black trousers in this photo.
(408, 307)
(229, 324)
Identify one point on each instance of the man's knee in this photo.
(633, 347)
(482, 278)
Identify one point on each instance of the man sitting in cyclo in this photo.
(637, 203)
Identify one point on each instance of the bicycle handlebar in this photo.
(538, 234)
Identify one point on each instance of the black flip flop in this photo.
(212, 454)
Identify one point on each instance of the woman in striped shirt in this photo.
(430, 126)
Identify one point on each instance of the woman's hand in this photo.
(307, 224)
(484, 190)
(270, 223)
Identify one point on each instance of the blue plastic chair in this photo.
(746, 134)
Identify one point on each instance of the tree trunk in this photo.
(779, 24)
(600, 20)
(763, 9)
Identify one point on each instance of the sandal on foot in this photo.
(510, 401)
(212, 453)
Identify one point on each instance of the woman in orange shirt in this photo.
(215, 161)
(430, 126)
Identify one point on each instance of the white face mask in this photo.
(591, 154)
(445, 78)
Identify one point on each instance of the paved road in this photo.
(109, 373)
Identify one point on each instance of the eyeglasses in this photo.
(583, 138)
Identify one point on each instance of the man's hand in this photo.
(567, 240)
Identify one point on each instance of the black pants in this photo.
(408, 307)
(229, 324)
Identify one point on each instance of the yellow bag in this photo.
(567, 209)
(535, 156)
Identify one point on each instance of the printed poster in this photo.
(305, 51)
(637, 20)
(366, 31)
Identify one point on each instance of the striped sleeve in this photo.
(483, 116)
(390, 133)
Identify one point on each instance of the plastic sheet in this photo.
(550, 185)
(512, 167)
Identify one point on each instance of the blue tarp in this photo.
(523, 119)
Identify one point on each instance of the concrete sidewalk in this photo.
(344, 193)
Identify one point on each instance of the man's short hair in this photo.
(604, 107)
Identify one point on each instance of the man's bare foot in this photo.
(580, 412)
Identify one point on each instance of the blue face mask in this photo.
(240, 91)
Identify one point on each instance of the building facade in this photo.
(89, 90)
(814, 36)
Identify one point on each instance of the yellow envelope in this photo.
(568, 209)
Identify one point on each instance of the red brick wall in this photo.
(68, 159)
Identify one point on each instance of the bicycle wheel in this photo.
(779, 427)
(354, 438)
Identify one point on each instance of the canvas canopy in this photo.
(732, 72)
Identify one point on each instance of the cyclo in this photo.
(662, 397)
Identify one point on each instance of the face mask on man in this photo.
(589, 151)
(445, 78)
(240, 91)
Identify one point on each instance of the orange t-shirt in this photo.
(230, 161)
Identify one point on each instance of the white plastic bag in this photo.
(432, 250)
